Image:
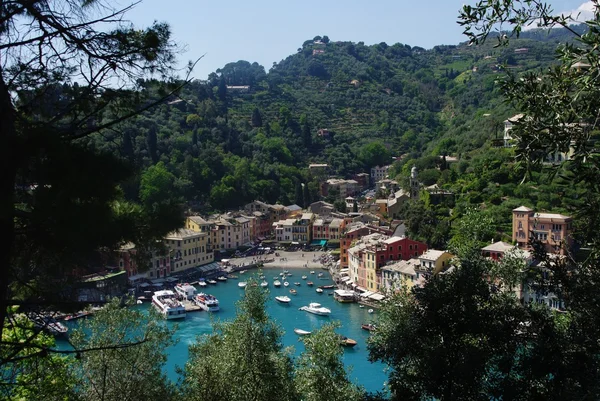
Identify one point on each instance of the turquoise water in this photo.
(370, 375)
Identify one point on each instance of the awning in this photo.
(377, 297)
(354, 285)
(345, 270)
(144, 285)
(158, 281)
(366, 294)
(172, 279)
(345, 279)
(137, 277)
(361, 289)
(295, 243)
(225, 260)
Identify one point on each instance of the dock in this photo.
(190, 306)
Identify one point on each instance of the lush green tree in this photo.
(454, 339)
(559, 105)
(249, 349)
(35, 373)
(123, 354)
(299, 194)
(53, 178)
(306, 199)
(375, 154)
(320, 372)
(256, 118)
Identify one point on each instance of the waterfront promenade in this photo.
(285, 260)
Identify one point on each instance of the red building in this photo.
(400, 248)
(355, 233)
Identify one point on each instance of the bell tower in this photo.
(414, 184)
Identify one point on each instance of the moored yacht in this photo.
(185, 291)
(166, 303)
(277, 283)
(207, 302)
(316, 308)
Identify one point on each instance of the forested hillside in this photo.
(247, 134)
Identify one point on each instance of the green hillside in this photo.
(247, 134)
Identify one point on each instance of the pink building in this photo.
(553, 230)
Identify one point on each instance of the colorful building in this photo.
(551, 229)
(188, 249)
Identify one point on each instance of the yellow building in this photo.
(434, 261)
(370, 259)
(188, 249)
(401, 273)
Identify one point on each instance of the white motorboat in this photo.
(207, 302)
(281, 274)
(286, 284)
(304, 277)
(283, 299)
(242, 284)
(264, 284)
(185, 291)
(277, 283)
(320, 290)
(222, 278)
(48, 324)
(320, 275)
(312, 272)
(316, 308)
(371, 311)
(243, 271)
(166, 303)
(301, 332)
(211, 282)
(202, 283)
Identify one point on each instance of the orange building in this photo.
(553, 230)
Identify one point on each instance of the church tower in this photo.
(414, 184)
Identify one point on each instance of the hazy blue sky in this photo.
(268, 30)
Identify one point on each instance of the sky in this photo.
(268, 31)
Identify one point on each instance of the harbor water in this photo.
(350, 316)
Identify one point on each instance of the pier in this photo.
(190, 306)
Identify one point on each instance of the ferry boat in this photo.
(316, 309)
(166, 303)
(207, 302)
(185, 291)
(344, 296)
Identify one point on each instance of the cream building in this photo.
(188, 249)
